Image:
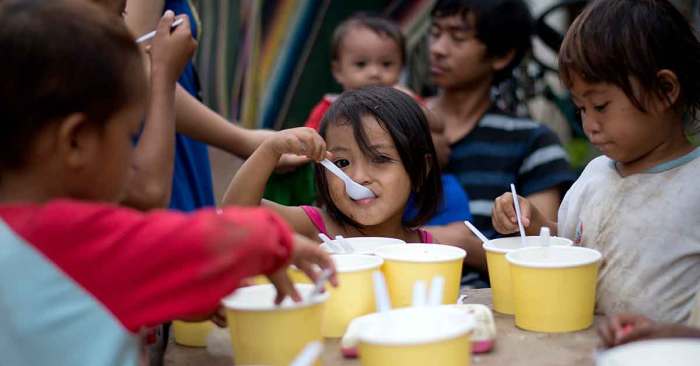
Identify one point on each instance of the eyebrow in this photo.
(338, 148)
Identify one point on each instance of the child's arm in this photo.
(151, 184)
(148, 269)
(248, 185)
(505, 221)
(193, 118)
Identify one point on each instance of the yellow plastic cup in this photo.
(406, 264)
(499, 269)
(354, 296)
(365, 244)
(417, 337)
(265, 334)
(554, 287)
(192, 334)
(294, 273)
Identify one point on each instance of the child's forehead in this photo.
(342, 134)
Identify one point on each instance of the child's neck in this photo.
(461, 109)
(27, 187)
(672, 148)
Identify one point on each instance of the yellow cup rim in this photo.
(464, 326)
(233, 301)
(369, 262)
(594, 256)
(492, 245)
(388, 253)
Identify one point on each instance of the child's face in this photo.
(386, 176)
(457, 57)
(614, 125)
(112, 164)
(367, 58)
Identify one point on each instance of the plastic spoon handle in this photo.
(347, 248)
(420, 293)
(544, 236)
(320, 282)
(476, 232)
(308, 355)
(382, 296)
(517, 214)
(330, 243)
(437, 286)
(152, 34)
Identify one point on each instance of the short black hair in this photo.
(616, 41)
(61, 57)
(502, 25)
(404, 120)
(381, 25)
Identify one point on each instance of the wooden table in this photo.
(513, 346)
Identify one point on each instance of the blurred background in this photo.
(266, 63)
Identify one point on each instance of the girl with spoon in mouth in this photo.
(377, 136)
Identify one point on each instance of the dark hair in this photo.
(622, 41)
(502, 25)
(60, 57)
(378, 24)
(398, 114)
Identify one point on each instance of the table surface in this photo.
(513, 346)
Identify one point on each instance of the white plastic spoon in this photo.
(152, 34)
(380, 293)
(308, 355)
(320, 282)
(437, 286)
(544, 236)
(355, 190)
(476, 232)
(420, 294)
(335, 248)
(347, 248)
(517, 214)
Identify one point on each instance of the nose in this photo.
(373, 72)
(438, 47)
(591, 126)
(359, 172)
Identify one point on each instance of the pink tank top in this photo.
(315, 216)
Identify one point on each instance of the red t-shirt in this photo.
(149, 268)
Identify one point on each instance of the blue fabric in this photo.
(192, 181)
(454, 207)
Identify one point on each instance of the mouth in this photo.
(366, 201)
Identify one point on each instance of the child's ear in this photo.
(77, 140)
(500, 63)
(670, 87)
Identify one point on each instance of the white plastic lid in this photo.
(356, 262)
(553, 257)
(410, 326)
(422, 253)
(366, 244)
(506, 245)
(676, 352)
(262, 298)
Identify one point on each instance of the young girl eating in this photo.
(632, 67)
(380, 138)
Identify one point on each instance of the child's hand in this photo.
(302, 141)
(171, 48)
(624, 328)
(306, 255)
(504, 219)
